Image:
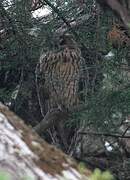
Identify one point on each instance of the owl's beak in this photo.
(61, 42)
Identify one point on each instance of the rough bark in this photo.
(24, 154)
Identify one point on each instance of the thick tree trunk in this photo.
(24, 155)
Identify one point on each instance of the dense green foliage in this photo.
(98, 175)
(23, 37)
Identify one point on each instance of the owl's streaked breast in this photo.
(62, 73)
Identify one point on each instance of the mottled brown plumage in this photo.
(61, 72)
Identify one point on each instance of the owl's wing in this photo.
(42, 91)
(83, 80)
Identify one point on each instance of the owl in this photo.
(60, 71)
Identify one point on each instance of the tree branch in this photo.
(122, 11)
(56, 10)
(59, 13)
(51, 118)
(56, 115)
(104, 134)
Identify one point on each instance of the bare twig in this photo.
(38, 91)
(19, 87)
(104, 134)
(125, 131)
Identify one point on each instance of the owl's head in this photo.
(67, 40)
